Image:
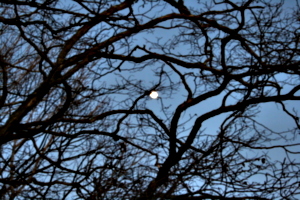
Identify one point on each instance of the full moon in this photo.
(154, 95)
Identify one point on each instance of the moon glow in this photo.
(154, 95)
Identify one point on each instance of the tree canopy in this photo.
(77, 121)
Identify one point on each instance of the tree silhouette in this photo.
(77, 121)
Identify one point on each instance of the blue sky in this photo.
(145, 77)
(269, 114)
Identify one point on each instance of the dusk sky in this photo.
(149, 96)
